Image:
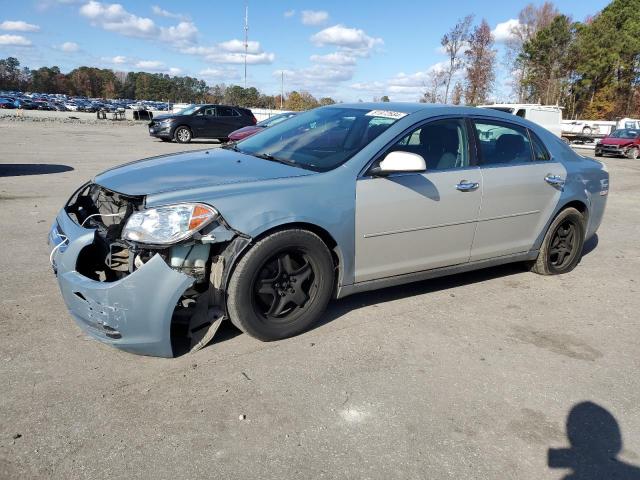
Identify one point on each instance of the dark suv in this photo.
(201, 121)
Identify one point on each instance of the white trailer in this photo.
(547, 116)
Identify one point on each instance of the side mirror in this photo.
(399, 162)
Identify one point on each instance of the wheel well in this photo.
(324, 235)
(581, 207)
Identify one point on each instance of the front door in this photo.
(412, 222)
(521, 188)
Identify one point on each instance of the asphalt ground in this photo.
(479, 375)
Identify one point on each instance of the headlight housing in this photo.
(168, 225)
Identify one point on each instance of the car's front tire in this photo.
(281, 286)
(633, 153)
(182, 135)
(561, 248)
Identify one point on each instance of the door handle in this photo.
(465, 186)
(554, 180)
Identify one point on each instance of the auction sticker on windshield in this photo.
(386, 114)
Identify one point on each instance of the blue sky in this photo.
(348, 49)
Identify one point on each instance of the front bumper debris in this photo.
(133, 313)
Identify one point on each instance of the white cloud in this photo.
(114, 18)
(215, 75)
(402, 86)
(346, 38)
(504, 31)
(174, 71)
(181, 34)
(335, 58)
(237, 46)
(232, 52)
(289, 13)
(317, 77)
(237, 58)
(14, 40)
(119, 60)
(150, 64)
(314, 17)
(69, 47)
(161, 12)
(18, 26)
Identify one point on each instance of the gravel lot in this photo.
(471, 376)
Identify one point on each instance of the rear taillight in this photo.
(253, 118)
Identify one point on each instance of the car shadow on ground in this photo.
(596, 441)
(20, 169)
(338, 308)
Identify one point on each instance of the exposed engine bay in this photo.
(205, 257)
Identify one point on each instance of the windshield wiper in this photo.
(232, 146)
(271, 158)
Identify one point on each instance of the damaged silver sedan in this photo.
(153, 255)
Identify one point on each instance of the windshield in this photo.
(625, 133)
(320, 139)
(189, 110)
(276, 119)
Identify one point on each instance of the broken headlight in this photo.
(167, 225)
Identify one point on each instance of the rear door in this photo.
(229, 119)
(522, 184)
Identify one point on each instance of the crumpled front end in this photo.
(150, 301)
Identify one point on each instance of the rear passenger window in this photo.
(225, 112)
(443, 144)
(540, 153)
(502, 143)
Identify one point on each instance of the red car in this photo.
(245, 132)
(621, 142)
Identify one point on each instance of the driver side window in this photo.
(443, 144)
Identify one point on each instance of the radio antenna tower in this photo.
(246, 40)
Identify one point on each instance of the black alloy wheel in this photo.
(281, 286)
(563, 242)
(284, 285)
(561, 249)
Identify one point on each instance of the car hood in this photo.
(616, 141)
(166, 116)
(184, 171)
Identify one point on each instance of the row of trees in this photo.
(591, 68)
(105, 83)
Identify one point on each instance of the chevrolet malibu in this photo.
(153, 255)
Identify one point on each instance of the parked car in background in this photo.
(624, 142)
(245, 132)
(201, 121)
(6, 103)
(547, 116)
(151, 256)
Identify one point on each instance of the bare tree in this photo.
(531, 19)
(481, 60)
(436, 79)
(453, 43)
(456, 96)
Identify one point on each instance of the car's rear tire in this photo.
(182, 135)
(281, 286)
(561, 248)
(586, 131)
